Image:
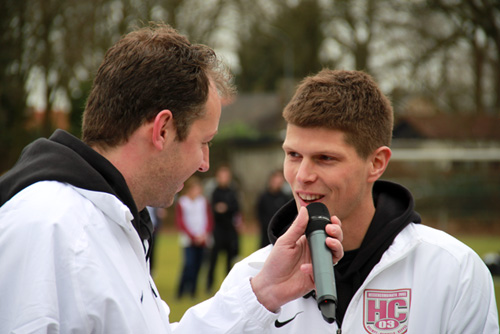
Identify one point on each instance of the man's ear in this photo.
(378, 163)
(163, 129)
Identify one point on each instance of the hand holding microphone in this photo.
(324, 278)
(286, 274)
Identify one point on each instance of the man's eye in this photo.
(326, 158)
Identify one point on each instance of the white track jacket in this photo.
(427, 282)
(71, 262)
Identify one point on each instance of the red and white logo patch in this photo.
(386, 311)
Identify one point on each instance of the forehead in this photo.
(313, 137)
(208, 123)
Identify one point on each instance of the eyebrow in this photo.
(315, 153)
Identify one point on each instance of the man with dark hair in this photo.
(74, 230)
(397, 275)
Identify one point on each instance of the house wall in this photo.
(252, 167)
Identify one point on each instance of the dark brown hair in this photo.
(349, 101)
(149, 70)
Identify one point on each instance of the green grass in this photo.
(481, 244)
(168, 268)
(169, 260)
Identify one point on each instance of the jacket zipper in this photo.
(339, 331)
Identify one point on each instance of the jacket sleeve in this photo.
(210, 218)
(235, 310)
(475, 309)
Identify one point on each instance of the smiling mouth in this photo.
(309, 198)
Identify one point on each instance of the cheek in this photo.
(288, 173)
(349, 189)
(193, 159)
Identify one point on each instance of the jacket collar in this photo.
(67, 159)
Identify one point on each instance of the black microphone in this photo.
(326, 292)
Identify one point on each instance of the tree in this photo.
(479, 22)
(281, 46)
(57, 45)
(12, 78)
(352, 24)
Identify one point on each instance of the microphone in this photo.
(326, 291)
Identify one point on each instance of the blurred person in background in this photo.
(75, 236)
(227, 222)
(269, 202)
(157, 216)
(397, 275)
(194, 219)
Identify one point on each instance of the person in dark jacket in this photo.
(269, 202)
(227, 221)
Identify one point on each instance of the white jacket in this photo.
(427, 282)
(71, 262)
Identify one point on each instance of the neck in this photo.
(355, 227)
(125, 161)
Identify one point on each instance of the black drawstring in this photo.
(145, 230)
(150, 243)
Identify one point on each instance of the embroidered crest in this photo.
(386, 311)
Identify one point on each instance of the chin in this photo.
(163, 202)
(168, 203)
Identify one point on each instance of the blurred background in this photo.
(438, 61)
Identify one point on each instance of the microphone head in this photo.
(318, 209)
(318, 217)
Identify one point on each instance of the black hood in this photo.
(281, 221)
(394, 211)
(65, 158)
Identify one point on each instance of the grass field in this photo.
(169, 260)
